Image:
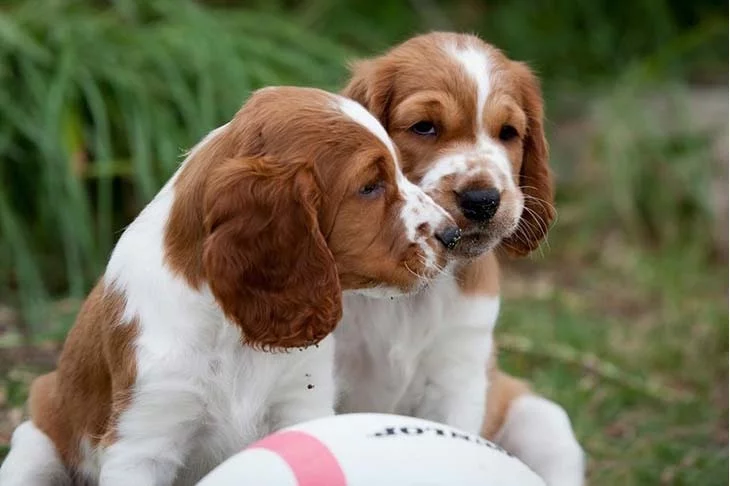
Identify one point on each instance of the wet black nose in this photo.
(479, 205)
(449, 236)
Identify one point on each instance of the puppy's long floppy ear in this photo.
(264, 256)
(536, 181)
(371, 85)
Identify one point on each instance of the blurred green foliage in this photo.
(98, 104)
(99, 99)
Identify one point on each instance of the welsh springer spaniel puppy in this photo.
(469, 126)
(173, 363)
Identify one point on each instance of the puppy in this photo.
(172, 364)
(469, 125)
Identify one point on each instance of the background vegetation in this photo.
(622, 317)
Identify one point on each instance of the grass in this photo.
(622, 318)
(638, 360)
(625, 318)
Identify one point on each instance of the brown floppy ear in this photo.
(536, 180)
(265, 259)
(371, 85)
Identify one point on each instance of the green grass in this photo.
(638, 359)
(622, 318)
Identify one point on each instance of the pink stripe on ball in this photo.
(312, 463)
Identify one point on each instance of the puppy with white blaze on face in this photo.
(468, 122)
(176, 359)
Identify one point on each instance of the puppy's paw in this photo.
(539, 432)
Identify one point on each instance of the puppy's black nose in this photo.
(479, 205)
(449, 236)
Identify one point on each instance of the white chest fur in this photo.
(389, 352)
(246, 394)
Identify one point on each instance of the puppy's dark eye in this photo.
(372, 189)
(424, 128)
(507, 133)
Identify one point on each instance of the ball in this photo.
(372, 450)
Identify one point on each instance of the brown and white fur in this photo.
(175, 361)
(469, 124)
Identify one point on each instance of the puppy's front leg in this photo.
(456, 382)
(155, 429)
(535, 429)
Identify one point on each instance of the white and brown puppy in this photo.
(171, 366)
(469, 125)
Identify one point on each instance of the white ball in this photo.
(372, 450)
